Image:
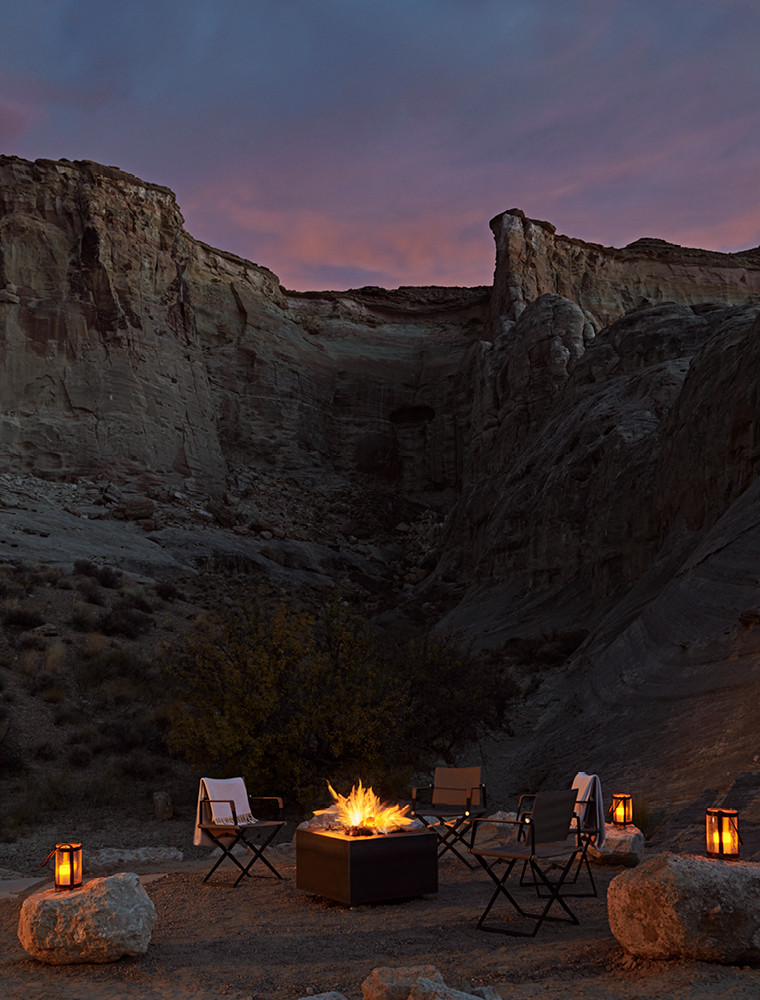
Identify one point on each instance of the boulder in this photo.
(107, 919)
(623, 845)
(396, 984)
(428, 989)
(684, 906)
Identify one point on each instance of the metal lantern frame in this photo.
(622, 809)
(67, 866)
(722, 833)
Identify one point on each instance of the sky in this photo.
(344, 143)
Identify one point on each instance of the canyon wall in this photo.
(589, 428)
(129, 347)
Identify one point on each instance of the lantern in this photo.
(722, 833)
(68, 866)
(622, 809)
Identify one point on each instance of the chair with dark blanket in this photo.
(449, 806)
(224, 819)
(549, 848)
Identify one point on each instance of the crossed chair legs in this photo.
(552, 889)
(450, 834)
(255, 848)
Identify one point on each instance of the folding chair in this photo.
(549, 848)
(457, 797)
(589, 811)
(224, 819)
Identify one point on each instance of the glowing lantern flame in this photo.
(361, 809)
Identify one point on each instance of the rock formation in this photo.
(573, 451)
(687, 907)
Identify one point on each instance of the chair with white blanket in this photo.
(589, 812)
(224, 819)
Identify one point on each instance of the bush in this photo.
(19, 616)
(92, 592)
(84, 617)
(126, 621)
(287, 700)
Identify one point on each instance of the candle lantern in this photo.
(622, 809)
(722, 832)
(68, 866)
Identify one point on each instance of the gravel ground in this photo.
(267, 939)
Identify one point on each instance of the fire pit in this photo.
(363, 852)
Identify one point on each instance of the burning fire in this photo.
(363, 812)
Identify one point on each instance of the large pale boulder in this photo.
(683, 906)
(107, 919)
(623, 845)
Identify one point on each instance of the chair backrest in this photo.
(585, 785)
(552, 819)
(220, 792)
(452, 786)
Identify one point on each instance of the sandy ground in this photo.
(267, 939)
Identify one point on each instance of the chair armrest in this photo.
(525, 803)
(491, 821)
(228, 802)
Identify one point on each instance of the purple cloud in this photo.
(352, 143)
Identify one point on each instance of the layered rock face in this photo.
(532, 259)
(591, 425)
(130, 347)
(102, 368)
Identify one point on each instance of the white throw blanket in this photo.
(589, 806)
(222, 791)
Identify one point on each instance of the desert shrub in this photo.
(142, 765)
(84, 618)
(66, 713)
(137, 597)
(126, 621)
(92, 592)
(137, 726)
(85, 567)
(453, 694)
(44, 751)
(168, 591)
(31, 641)
(53, 694)
(286, 699)
(17, 616)
(106, 576)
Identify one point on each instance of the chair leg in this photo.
(257, 851)
(226, 850)
(553, 888)
(454, 835)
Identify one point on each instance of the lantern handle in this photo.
(736, 831)
(48, 858)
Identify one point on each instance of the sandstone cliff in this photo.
(588, 429)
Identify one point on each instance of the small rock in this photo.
(162, 805)
(395, 984)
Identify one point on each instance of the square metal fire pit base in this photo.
(374, 869)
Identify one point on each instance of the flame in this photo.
(362, 809)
